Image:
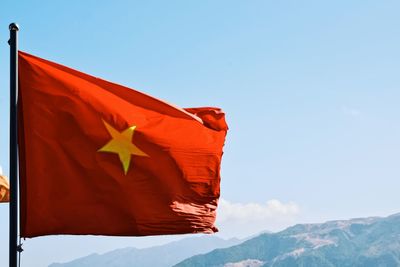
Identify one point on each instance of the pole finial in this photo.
(13, 27)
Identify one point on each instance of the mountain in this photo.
(369, 242)
(159, 256)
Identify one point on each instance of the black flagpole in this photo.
(13, 241)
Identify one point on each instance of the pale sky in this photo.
(310, 89)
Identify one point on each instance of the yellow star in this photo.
(121, 144)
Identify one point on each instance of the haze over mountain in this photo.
(368, 242)
(362, 242)
(158, 256)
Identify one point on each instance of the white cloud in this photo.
(351, 111)
(254, 211)
(243, 219)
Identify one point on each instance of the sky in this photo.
(310, 90)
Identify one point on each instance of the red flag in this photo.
(100, 158)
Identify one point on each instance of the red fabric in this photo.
(69, 187)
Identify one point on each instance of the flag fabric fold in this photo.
(100, 158)
(4, 189)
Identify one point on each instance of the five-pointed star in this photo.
(121, 144)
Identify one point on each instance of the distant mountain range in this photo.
(367, 242)
(159, 256)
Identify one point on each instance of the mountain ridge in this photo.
(363, 242)
(357, 242)
(157, 256)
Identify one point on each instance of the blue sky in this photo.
(310, 89)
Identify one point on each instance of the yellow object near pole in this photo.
(4, 189)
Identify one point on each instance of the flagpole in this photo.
(13, 238)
